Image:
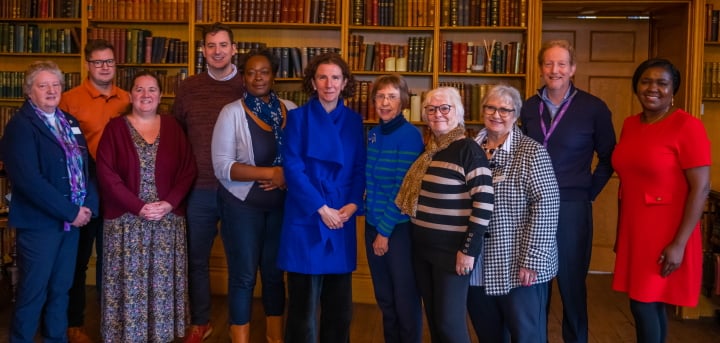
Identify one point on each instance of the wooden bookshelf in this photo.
(302, 24)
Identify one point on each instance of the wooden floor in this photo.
(610, 319)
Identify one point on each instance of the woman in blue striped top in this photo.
(448, 194)
(392, 147)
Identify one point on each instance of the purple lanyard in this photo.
(546, 133)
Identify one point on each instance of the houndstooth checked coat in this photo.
(523, 225)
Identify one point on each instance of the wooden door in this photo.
(607, 53)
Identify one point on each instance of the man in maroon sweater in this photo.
(198, 102)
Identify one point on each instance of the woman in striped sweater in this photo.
(449, 196)
(392, 147)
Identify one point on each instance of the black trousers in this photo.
(89, 234)
(331, 294)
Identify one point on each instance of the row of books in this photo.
(138, 46)
(493, 57)
(169, 80)
(40, 8)
(155, 10)
(712, 23)
(31, 38)
(472, 95)
(711, 80)
(5, 113)
(416, 13)
(298, 97)
(415, 56)
(483, 13)
(269, 11)
(11, 83)
(292, 60)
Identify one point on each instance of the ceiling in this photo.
(562, 8)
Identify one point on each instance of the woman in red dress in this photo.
(663, 161)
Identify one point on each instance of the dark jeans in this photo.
(251, 238)
(650, 321)
(444, 295)
(202, 227)
(395, 288)
(519, 315)
(46, 263)
(89, 234)
(574, 240)
(331, 295)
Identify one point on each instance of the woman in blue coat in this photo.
(324, 165)
(46, 159)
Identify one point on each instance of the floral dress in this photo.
(144, 271)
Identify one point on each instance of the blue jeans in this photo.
(46, 262)
(518, 316)
(394, 283)
(331, 294)
(251, 238)
(202, 221)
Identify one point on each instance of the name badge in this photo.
(499, 178)
(76, 130)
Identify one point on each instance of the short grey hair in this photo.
(38, 66)
(453, 97)
(505, 93)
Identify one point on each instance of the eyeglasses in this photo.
(443, 109)
(502, 111)
(389, 97)
(99, 63)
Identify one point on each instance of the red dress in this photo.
(650, 160)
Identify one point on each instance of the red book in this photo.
(455, 57)
(300, 11)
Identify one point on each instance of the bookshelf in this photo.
(413, 30)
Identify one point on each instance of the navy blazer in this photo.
(35, 163)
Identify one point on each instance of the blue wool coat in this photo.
(324, 164)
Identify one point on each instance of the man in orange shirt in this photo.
(93, 103)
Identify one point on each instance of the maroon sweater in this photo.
(118, 168)
(198, 102)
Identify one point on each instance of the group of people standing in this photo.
(455, 225)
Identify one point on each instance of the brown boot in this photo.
(76, 334)
(240, 333)
(274, 329)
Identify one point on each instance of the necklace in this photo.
(489, 151)
(658, 118)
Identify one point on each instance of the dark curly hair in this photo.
(661, 63)
(267, 53)
(328, 58)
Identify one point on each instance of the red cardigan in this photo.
(118, 168)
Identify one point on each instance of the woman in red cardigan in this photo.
(145, 170)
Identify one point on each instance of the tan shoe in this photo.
(76, 334)
(198, 333)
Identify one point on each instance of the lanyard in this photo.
(547, 133)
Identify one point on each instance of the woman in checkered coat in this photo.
(509, 285)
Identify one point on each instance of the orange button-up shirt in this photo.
(94, 110)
